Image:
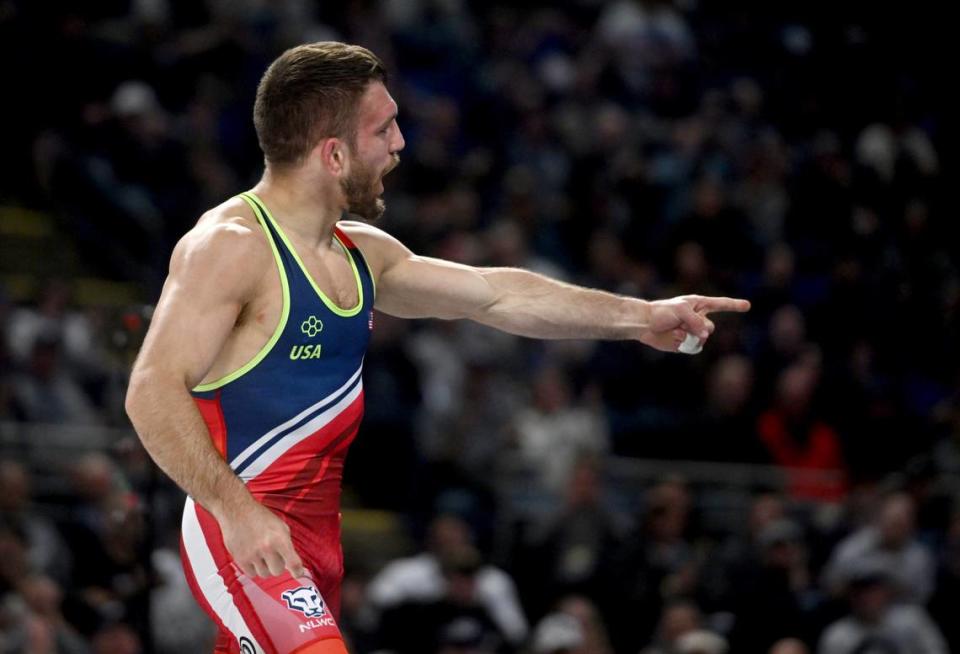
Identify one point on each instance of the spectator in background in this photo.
(655, 565)
(553, 432)
(171, 603)
(786, 343)
(570, 551)
(384, 463)
(737, 556)
(596, 639)
(14, 562)
(44, 392)
(421, 579)
(46, 550)
(892, 537)
(775, 595)
(729, 411)
(946, 598)
(106, 533)
(799, 441)
(55, 316)
(877, 622)
(719, 228)
(678, 618)
(776, 287)
(457, 620)
(44, 597)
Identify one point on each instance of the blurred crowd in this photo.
(785, 154)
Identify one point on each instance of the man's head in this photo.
(896, 521)
(324, 105)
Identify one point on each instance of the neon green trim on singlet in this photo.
(346, 313)
(285, 313)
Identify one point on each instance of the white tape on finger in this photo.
(691, 345)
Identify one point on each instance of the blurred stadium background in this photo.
(797, 480)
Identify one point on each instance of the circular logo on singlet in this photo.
(311, 326)
(247, 646)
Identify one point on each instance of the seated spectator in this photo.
(44, 392)
(554, 430)
(737, 555)
(729, 413)
(596, 639)
(799, 441)
(678, 618)
(46, 549)
(457, 620)
(946, 598)
(106, 532)
(421, 579)
(892, 536)
(655, 565)
(172, 603)
(44, 597)
(54, 315)
(877, 622)
(569, 551)
(774, 596)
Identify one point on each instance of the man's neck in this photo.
(302, 208)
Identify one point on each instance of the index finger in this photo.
(711, 304)
(292, 562)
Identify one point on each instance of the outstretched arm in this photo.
(209, 281)
(528, 304)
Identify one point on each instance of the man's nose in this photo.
(399, 143)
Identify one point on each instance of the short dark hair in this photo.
(311, 92)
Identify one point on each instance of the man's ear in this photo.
(332, 153)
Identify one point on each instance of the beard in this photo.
(360, 191)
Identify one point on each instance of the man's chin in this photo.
(369, 213)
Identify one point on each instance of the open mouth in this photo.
(396, 162)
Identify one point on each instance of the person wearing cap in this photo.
(892, 534)
(877, 622)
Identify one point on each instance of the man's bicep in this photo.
(199, 306)
(188, 329)
(423, 287)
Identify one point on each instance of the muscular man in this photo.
(247, 391)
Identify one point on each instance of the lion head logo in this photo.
(305, 599)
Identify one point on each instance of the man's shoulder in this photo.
(226, 247)
(365, 233)
(380, 249)
(226, 233)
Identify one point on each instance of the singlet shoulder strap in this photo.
(357, 254)
(284, 314)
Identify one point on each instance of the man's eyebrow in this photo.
(389, 120)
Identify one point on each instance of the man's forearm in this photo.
(532, 305)
(176, 437)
